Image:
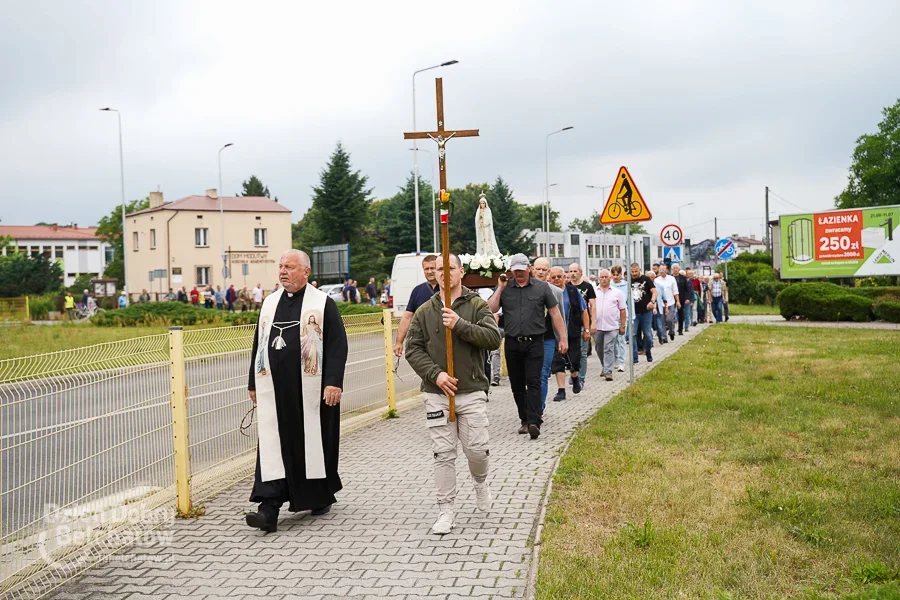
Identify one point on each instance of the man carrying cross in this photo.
(474, 330)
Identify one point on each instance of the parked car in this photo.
(333, 290)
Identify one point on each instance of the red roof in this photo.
(230, 204)
(48, 232)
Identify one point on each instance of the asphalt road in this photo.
(78, 438)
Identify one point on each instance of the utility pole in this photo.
(715, 229)
(766, 225)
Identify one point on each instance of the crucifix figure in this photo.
(442, 136)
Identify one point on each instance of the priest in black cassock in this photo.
(296, 379)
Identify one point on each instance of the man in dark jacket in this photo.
(686, 293)
(474, 331)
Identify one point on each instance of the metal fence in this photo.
(102, 445)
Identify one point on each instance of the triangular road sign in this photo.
(673, 254)
(625, 203)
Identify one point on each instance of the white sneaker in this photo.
(620, 368)
(483, 497)
(444, 523)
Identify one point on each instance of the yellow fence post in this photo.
(27, 310)
(179, 421)
(388, 319)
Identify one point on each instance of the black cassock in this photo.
(286, 366)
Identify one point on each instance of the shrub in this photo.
(888, 310)
(167, 313)
(39, 307)
(823, 302)
(875, 292)
(346, 308)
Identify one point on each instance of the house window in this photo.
(58, 251)
(110, 253)
(259, 237)
(590, 249)
(603, 250)
(575, 239)
(153, 239)
(618, 251)
(203, 275)
(552, 249)
(560, 250)
(35, 251)
(201, 237)
(134, 239)
(659, 252)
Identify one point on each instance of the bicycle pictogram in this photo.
(624, 202)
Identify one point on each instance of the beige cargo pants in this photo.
(470, 428)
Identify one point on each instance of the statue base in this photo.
(474, 281)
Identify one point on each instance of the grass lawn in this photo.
(24, 340)
(757, 462)
(752, 309)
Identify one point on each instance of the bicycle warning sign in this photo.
(625, 203)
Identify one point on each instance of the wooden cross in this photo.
(442, 136)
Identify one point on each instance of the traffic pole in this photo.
(629, 330)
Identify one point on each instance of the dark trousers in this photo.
(524, 360)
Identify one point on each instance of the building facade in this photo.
(77, 249)
(179, 244)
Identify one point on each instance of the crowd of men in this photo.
(550, 321)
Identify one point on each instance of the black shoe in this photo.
(679, 333)
(672, 335)
(495, 382)
(322, 510)
(523, 429)
(560, 395)
(265, 519)
(576, 386)
(649, 359)
(534, 431)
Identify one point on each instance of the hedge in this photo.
(875, 292)
(888, 310)
(180, 313)
(823, 302)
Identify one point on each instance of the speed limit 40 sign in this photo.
(671, 235)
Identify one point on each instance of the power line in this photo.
(787, 201)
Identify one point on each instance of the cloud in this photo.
(706, 102)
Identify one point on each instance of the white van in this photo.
(405, 275)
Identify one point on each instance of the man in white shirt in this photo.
(257, 296)
(673, 302)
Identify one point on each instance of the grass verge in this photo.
(757, 462)
(25, 340)
(751, 310)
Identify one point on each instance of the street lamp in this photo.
(122, 177)
(545, 215)
(415, 147)
(222, 220)
(547, 173)
(679, 212)
(434, 222)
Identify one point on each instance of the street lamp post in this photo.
(679, 212)
(434, 219)
(415, 147)
(547, 174)
(122, 178)
(222, 220)
(545, 215)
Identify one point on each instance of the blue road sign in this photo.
(672, 254)
(725, 249)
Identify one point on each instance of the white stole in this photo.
(312, 320)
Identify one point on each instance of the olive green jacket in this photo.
(475, 332)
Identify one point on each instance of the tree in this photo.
(620, 229)
(532, 217)
(874, 178)
(22, 275)
(340, 204)
(109, 230)
(508, 220)
(254, 187)
(394, 221)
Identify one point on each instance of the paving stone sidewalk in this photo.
(375, 543)
(779, 320)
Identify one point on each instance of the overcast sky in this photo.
(704, 101)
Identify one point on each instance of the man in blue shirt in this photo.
(421, 294)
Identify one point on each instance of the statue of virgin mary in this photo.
(485, 242)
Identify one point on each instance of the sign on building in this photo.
(331, 262)
(842, 243)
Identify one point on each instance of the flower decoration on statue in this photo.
(484, 265)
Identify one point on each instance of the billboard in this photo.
(331, 262)
(841, 243)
